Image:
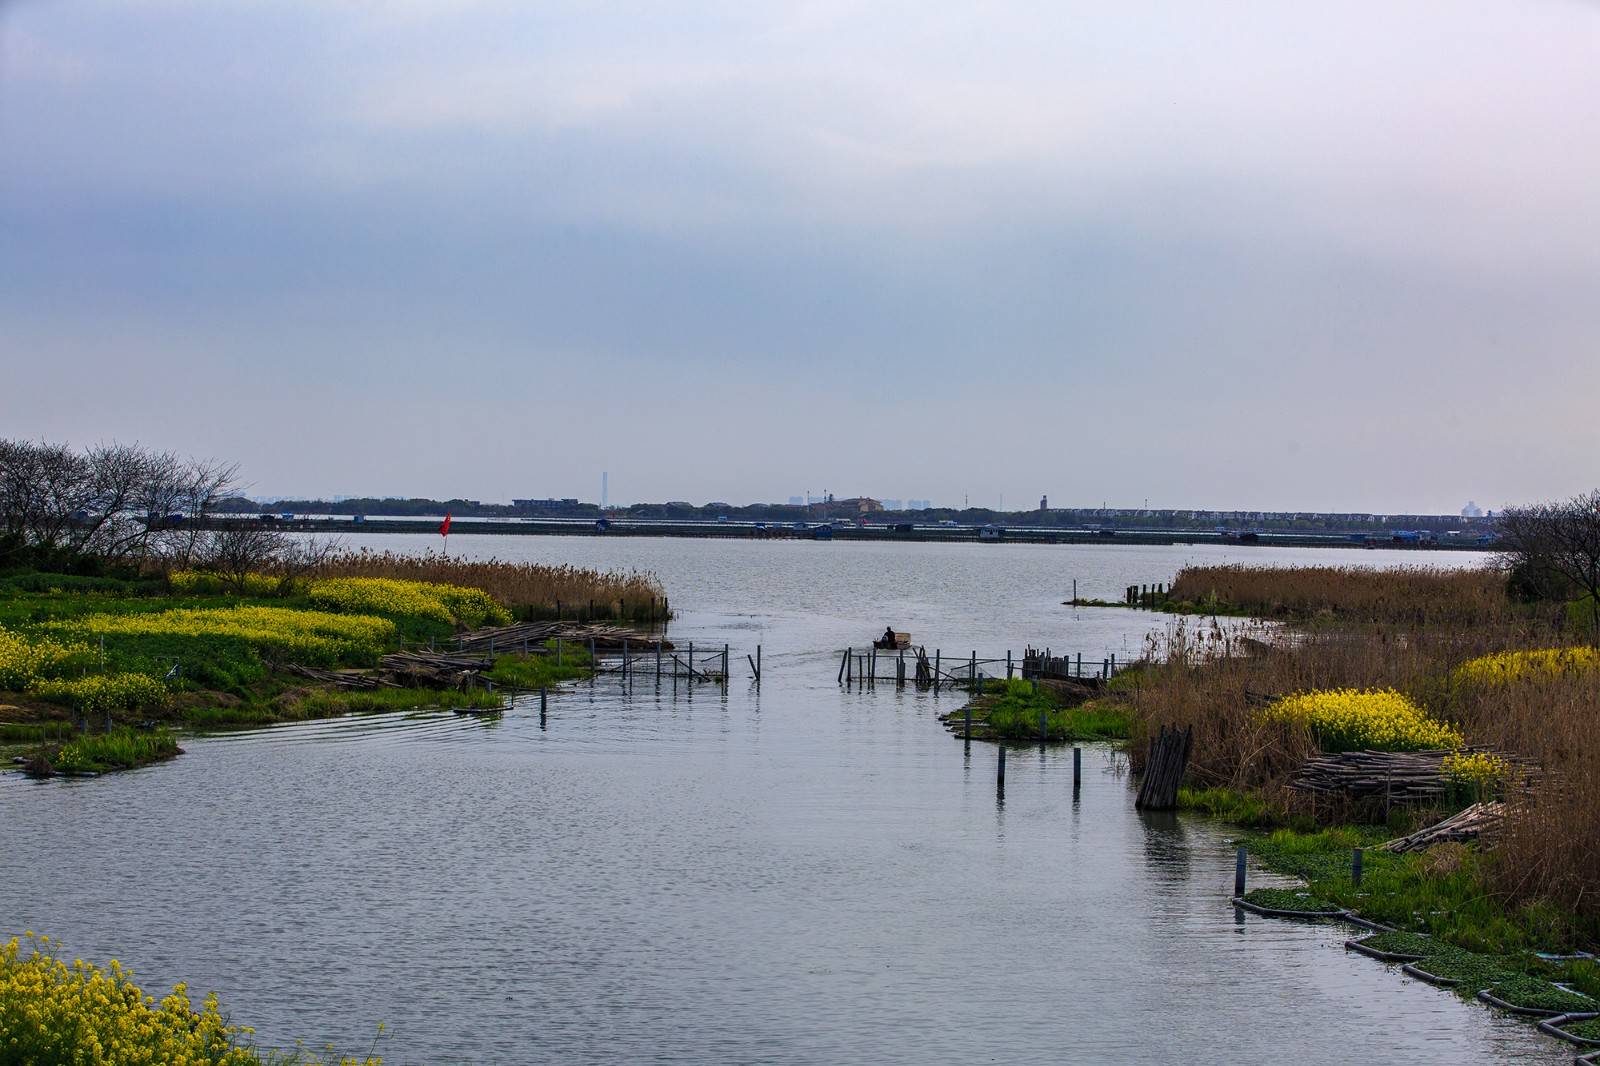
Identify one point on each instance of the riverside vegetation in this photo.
(1402, 660)
(54, 1011)
(136, 652)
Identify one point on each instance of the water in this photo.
(796, 875)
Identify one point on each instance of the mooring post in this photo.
(691, 665)
(724, 665)
(967, 719)
(624, 662)
(1238, 873)
(936, 671)
(758, 665)
(973, 672)
(1074, 592)
(1355, 867)
(1000, 770)
(658, 659)
(1077, 769)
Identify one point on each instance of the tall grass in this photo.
(1400, 595)
(532, 590)
(1223, 682)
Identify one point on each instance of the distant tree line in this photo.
(126, 508)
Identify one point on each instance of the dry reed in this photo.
(532, 590)
(1219, 680)
(1410, 595)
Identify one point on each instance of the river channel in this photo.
(795, 874)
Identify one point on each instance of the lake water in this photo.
(799, 874)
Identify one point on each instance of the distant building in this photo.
(1471, 510)
(1044, 503)
(546, 505)
(918, 505)
(797, 501)
(891, 505)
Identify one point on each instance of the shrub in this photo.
(1509, 666)
(1357, 720)
(55, 1012)
(104, 692)
(314, 637)
(450, 604)
(209, 583)
(24, 660)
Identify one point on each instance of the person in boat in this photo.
(889, 640)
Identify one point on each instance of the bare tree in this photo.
(236, 550)
(1554, 548)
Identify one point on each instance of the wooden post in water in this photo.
(1077, 769)
(658, 660)
(624, 662)
(936, 655)
(1238, 873)
(758, 666)
(966, 713)
(725, 670)
(1000, 770)
(544, 702)
(691, 666)
(973, 673)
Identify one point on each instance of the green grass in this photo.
(35, 732)
(331, 702)
(121, 749)
(541, 671)
(1010, 711)
(1240, 808)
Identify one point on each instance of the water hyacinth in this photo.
(1363, 719)
(1510, 666)
(52, 1011)
(279, 632)
(24, 660)
(450, 604)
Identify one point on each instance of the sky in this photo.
(1219, 254)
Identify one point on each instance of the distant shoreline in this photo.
(875, 534)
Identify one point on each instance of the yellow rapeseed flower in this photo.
(1357, 719)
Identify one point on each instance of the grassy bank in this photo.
(1009, 712)
(59, 1013)
(84, 660)
(1398, 661)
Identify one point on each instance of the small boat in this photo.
(901, 640)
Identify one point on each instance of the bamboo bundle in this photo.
(435, 669)
(1163, 769)
(1469, 824)
(534, 634)
(341, 678)
(1395, 776)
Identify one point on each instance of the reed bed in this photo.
(1407, 595)
(1226, 684)
(531, 590)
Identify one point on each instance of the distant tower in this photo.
(1044, 503)
(605, 489)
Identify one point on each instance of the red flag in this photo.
(444, 527)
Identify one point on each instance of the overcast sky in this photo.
(1342, 256)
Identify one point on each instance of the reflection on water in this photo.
(796, 875)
